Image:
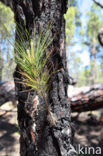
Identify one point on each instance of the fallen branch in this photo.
(81, 99)
(88, 99)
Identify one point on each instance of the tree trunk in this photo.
(84, 99)
(100, 36)
(46, 139)
(1, 64)
(93, 62)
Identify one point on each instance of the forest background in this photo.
(85, 58)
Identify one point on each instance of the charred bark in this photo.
(38, 137)
(83, 100)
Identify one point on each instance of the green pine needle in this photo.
(32, 62)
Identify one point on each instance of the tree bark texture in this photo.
(87, 99)
(38, 137)
(84, 99)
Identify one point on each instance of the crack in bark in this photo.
(49, 10)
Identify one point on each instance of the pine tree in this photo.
(37, 136)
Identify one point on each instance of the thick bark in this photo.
(83, 99)
(45, 139)
(87, 99)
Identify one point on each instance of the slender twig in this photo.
(98, 3)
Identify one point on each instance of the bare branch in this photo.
(98, 3)
(86, 98)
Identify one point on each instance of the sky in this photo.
(84, 6)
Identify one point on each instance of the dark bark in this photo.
(83, 100)
(100, 33)
(98, 3)
(87, 99)
(100, 36)
(45, 139)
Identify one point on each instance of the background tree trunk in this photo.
(93, 61)
(46, 139)
(1, 64)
